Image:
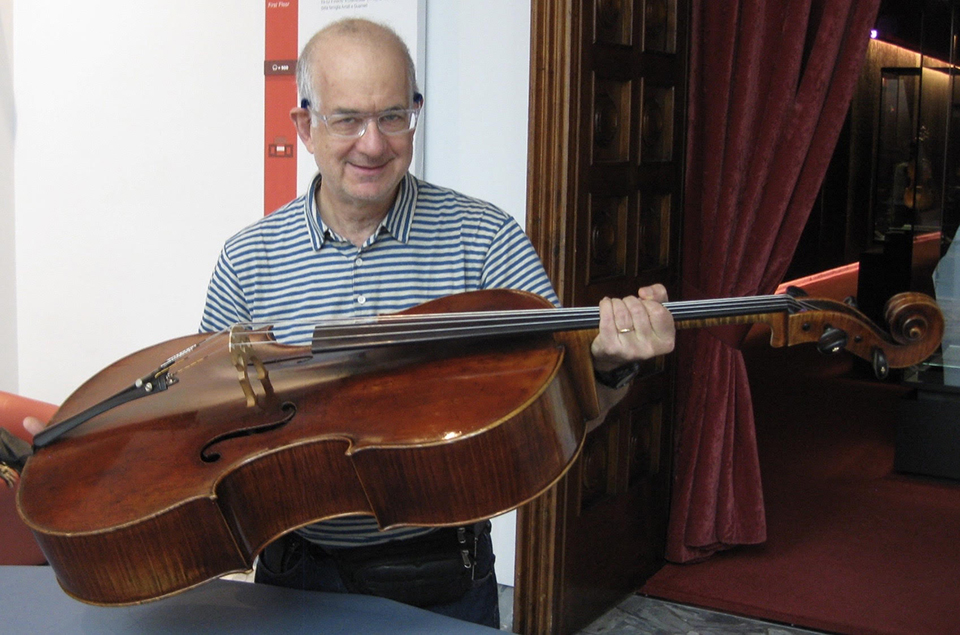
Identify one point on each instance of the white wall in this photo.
(8, 291)
(478, 57)
(138, 151)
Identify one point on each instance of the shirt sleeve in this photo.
(513, 263)
(225, 304)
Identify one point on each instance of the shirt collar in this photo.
(397, 221)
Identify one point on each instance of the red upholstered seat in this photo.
(17, 545)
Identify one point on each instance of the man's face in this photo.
(355, 76)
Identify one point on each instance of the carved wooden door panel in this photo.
(607, 121)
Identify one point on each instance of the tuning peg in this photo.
(880, 366)
(832, 341)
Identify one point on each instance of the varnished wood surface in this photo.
(126, 509)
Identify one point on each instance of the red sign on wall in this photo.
(280, 95)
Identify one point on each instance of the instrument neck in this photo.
(420, 328)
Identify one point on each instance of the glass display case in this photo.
(909, 178)
(914, 182)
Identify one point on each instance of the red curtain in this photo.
(770, 86)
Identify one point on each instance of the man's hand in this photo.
(632, 329)
(33, 425)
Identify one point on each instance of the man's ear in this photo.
(301, 121)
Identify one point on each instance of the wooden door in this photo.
(605, 175)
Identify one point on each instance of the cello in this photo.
(142, 488)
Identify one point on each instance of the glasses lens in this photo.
(396, 122)
(345, 125)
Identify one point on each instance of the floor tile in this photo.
(650, 616)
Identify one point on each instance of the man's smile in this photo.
(368, 170)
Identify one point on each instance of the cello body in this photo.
(161, 494)
(246, 438)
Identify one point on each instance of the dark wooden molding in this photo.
(554, 128)
(604, 190)
(552, 190)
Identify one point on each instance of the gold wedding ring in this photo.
(626, 330)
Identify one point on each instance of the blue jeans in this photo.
(293, 562)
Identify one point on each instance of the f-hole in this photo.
(288, 408)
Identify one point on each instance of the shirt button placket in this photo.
(357, 261)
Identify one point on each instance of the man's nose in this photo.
(372, 140)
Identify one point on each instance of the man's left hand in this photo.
(634, 328)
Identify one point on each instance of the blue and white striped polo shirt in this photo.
(434, 242)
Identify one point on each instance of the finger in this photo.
(622, 315)
(615, 317)
(639, 316)
(607, 320)
(654, 292)
(33, 425)
(656, 323)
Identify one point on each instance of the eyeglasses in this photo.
(353, 125)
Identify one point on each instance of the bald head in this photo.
(363, 32)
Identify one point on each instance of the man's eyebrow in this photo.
(354, 111)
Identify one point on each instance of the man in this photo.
(368, 238)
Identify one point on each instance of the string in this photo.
(339, 334)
